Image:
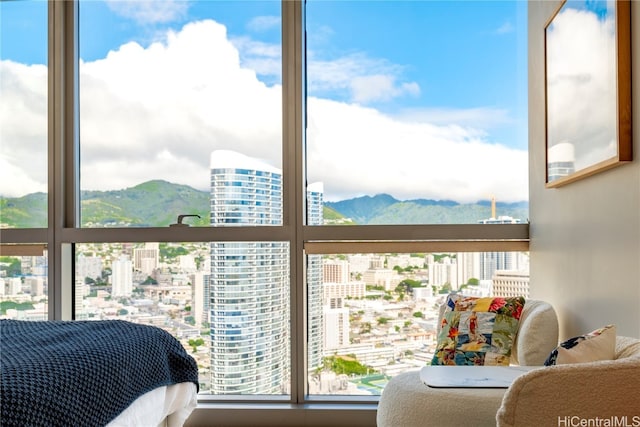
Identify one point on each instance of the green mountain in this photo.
(158, 203)
(150, 204)
(385, 209)
(28, 211)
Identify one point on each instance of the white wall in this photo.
(585, 237)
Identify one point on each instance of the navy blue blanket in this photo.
(83, 373)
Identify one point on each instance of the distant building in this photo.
(492, 261)
(336, 271)
(344, 290)
(314, 279)
(336, 324)
(10, 286)
(197, 298)
(359, 263)
(36, 285)
(249, 283)
(88, 266)
(121, 277)
(387, 278)
(467, 266)
(146, 259)
(443, 272)
(560, 161)
(510, 283)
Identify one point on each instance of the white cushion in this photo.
(592, 347)
(537, 334)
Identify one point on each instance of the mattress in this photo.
(167, 406)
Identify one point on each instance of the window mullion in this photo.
(293, 182)
(61, 152)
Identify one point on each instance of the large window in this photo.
(167, 91)
(23, 114)
(24, 103)
(417, 110)
(290, 187)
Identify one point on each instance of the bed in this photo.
(93, 373)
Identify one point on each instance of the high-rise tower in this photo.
(492, 261)
(314, 281)
(249, 282)
(248, 288)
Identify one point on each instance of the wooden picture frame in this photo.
(587, 89)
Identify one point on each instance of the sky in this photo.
(417, 99)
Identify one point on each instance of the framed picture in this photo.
(588, 89)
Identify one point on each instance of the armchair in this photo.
(406, 401)
(568, 394)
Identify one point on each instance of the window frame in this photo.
(64, 230)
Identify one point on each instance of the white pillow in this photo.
(596, 345)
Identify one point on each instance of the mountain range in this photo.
(157, 204)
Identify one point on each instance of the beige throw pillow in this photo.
(596, 345)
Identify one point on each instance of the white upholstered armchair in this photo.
(406, 401)
(567, 394)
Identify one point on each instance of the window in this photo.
(23, 115)
(417, 110)
(295, 233)
(24, 180)
(165, 93)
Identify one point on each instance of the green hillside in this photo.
(158, 203)
(29, 211)
(384, 209)
(151, 204)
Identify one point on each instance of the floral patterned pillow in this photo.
(477, 331)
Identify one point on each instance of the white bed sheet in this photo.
(167, 406)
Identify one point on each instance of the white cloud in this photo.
(264, 23)
(366, 89)
(505, 28)
(23, 128)
(364, 79)
(477, 118)
(16, 182)
(356, 151)
(150, 11)
(264, 58)
(158, 112)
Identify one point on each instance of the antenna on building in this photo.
(493, 207)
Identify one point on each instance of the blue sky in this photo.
(451, 64)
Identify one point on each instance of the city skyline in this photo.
(362, 288)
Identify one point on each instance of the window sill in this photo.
(283, 414)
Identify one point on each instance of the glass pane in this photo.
(227, 302)
(24, 287)
(177, 99)
(417, 110)
(379, 312)
(23, 114)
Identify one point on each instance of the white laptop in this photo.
(472, 376)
